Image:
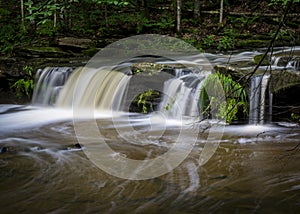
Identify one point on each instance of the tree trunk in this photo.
(22, 15)
(146, 13)
(106, 16)
(178, 26)
(197, 9)
(221, 11)
(69, 15)
(54, 20)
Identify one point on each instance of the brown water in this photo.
(254, 170)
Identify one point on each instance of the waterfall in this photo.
(258, 89)
(182, 94)
(294, 64)
(100, 88)
(286, 63)
(49, 82)
(106, 89)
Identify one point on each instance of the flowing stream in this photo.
(45, 165)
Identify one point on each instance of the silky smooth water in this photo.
(44, 169)
(255, 168)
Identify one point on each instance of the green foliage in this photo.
(243, 21)
(144, 100)
(282, 2)
(7, 37)
(228, 108)
(209, 40)
(25, 85)
(9, 33)
(112, 2)
(166, 22)
(281, 34)
(225, 43)
(41, 15)
(295, 117)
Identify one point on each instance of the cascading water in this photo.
(285, 63)
(258, 89)
(105, 89)
(42, 161)
(49, 82)
(182, 94)
(294, 64)
(101, 88)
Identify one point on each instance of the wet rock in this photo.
(212, 177)
(3, 150)
(146, 67)
(284, 79)
(6, 149)
(294, 64)
(258, 58)
(75, 146)
(4, 80)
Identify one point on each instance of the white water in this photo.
(255, 168)
(104, 90)
(258, 90)
(48, 84)
(100, 89)
(182, 95)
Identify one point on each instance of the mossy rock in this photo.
(258, 58)
(284, 79)
(91, 52)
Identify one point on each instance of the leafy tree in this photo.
(196, 9)
(107, 3)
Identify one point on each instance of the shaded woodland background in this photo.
(221, 25)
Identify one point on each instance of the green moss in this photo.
(295, 117)
(44, 49)
(90, 52)
(257, 59)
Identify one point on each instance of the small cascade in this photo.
(48, 84)
(294, 64)
(258, 113)
(97, 88)
(181, 95)
(178, 72)
(105, 89)
(286, 63)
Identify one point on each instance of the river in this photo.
(46, 167)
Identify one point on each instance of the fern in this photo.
(235, 97)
